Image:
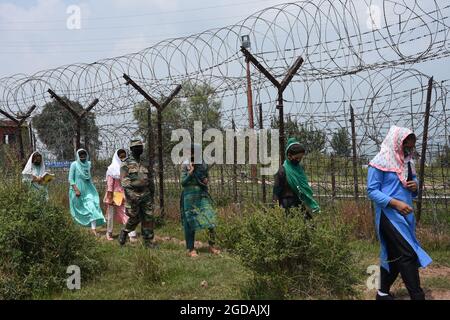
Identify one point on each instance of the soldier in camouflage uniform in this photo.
(139, 195)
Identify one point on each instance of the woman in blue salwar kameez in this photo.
(391, 185)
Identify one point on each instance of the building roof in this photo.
(6, 123)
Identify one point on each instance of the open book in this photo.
(47, 177)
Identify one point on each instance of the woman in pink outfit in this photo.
(115, 197)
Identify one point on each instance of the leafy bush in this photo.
(38, 241)
(291, 257)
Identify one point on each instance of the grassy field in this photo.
(134, 272)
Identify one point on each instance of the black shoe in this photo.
(418, 296)
(388, 297)
(123, 237)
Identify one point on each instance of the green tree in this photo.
(312, 139)
(57, 128)
(340, 142)
(444, 157)
(201, 104)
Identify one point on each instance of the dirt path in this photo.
(197, 244)
(433, 272)
(398, 289)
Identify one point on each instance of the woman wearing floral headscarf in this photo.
(83, 197)
(391, 185)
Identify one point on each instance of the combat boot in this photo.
(123, 237)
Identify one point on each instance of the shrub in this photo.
(38, 241)
(291, 257)
(434, 237)
(358, 215)
(230, 223)
(149, 268)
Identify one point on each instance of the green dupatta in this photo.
(298, 182)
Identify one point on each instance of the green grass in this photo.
(179, 277)
(174, 229)
(440, 257)
(367, 253)
(182, 276)
(128, 276)
(437, 283)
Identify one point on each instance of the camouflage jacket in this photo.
(135, 180)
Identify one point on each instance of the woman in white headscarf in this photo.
(114, 199)
(34, 173)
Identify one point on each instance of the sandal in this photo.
(133, 239)
(193, 254)
(109, 236)
(213, 250)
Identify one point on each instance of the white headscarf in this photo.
(32, 169)
(114, 167)
(391, 157)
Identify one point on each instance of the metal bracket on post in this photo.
(281, 86)
(78, 116)
(159, 109)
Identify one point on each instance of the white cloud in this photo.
(147, 4)
(33, 50)
(17, 16)
(19, 43)
(124, 46)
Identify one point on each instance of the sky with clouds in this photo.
(34, 33)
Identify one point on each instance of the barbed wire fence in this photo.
(361, 81)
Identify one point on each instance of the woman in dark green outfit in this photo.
(196, 208)
(291, 188)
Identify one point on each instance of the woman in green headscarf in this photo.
(291, 188)
(83, 197)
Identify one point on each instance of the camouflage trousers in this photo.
(141, 212)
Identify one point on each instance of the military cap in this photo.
(135, 143)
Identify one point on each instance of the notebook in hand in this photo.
(47, 177)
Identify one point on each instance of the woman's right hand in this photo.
(401, 207)
(37, 179)
(77, 191)
(191, 168)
